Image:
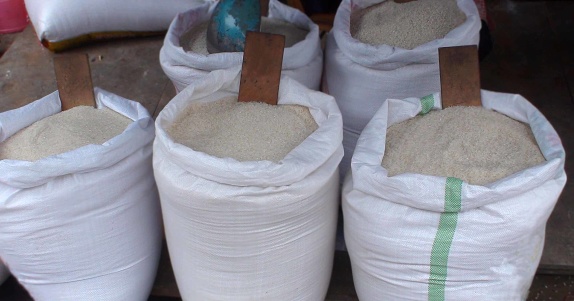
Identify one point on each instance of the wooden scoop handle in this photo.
(459, 76)
(261, 70)
(74, 80)
(264, 4)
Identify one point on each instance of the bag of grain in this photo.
(414, 236)
(61, 24)
(184, 57)
(362, 69)
(249, 229)
(83, 224)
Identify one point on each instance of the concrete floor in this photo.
(532, 56)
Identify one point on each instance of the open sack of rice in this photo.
(184, 56)
(381, 49)
(451, 204)
(79, 209)
(249, 191)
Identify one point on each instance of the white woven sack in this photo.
(254, 230)
(362, 76)
(302, 61)
(84, 224)
(421, 237)
(58, 20)
(4, 272)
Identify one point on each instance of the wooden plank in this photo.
(549, 269)
(264, 4)
(261, 73)
(74, 80)
(459, 76)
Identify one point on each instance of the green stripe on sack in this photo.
(427, 103)
(443, 239)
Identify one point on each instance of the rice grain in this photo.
(245, 131)
(405, 25)
(474, 144)
(62, 132)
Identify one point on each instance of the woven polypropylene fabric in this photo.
(302, 61)
(420, 237)
(362, 76)
(251, 230)
(84, 224)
